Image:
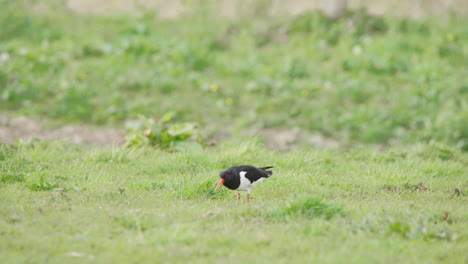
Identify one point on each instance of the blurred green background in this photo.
(242, 68)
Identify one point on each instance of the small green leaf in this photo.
(166, 118)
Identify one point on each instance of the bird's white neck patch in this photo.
(245, 184)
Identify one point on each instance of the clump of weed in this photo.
(43, 185)
(309, 208)
(399, 228)
(164, 133)
(12, 178)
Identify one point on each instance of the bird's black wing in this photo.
(254, 174)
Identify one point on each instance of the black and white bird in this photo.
(242, 178)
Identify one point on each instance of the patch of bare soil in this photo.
(13, 128)
(24, 128)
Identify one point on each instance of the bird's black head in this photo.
(225, 177)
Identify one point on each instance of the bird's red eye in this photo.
(225, 175)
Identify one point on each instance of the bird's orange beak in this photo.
(220, 183)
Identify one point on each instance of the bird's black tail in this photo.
(266, 169)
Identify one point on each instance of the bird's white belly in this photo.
(245, 184)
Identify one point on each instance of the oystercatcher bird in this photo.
(242, 178)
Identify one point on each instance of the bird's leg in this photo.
(238, 198)
(248, 197)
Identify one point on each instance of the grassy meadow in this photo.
(64, 203)
(392, 91)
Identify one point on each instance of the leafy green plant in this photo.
(164, 133)
(43, 185)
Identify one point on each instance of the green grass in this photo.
(361, 79)
(150, 206)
